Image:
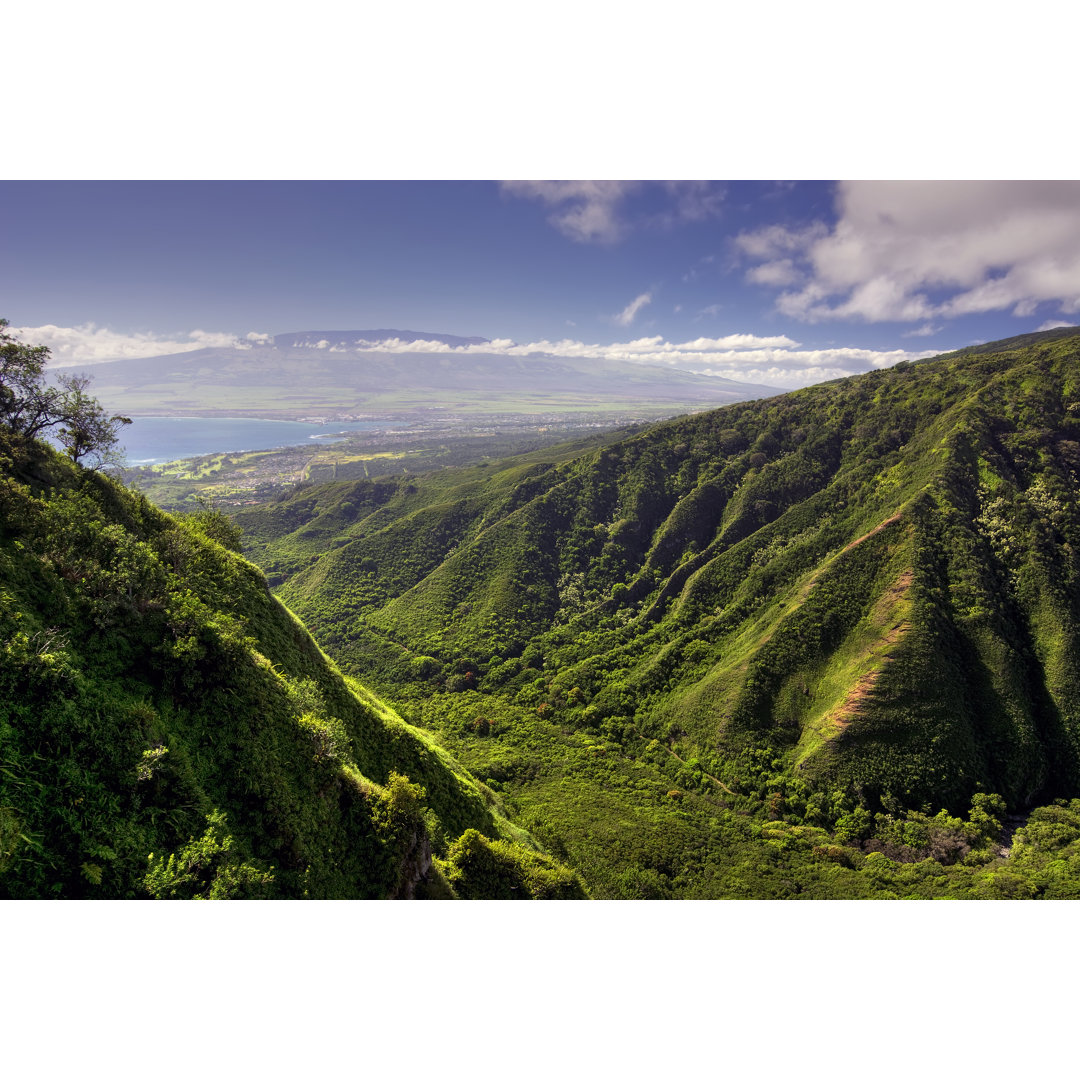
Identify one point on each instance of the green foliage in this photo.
(148, 680)
(206, 869)
(398, 805)
(86, 431)
(478, 868)
(216, 525)
(823, 645)
(850, 609)
(854, 826)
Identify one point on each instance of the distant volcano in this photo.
(352, 372)
(352, 339)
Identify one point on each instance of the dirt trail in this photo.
(864, 685)
(873, 532)
(812, 583)
(715, 779)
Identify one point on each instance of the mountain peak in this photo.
(312, 339)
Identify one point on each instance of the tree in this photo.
(29, 406)
(87, 431)
(26, 406)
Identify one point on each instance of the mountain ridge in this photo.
(869, 588)
(345, 338)
(821, 645)
(306, 379)
(168, 729)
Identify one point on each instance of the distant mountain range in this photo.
(351, 339)
(337, 373)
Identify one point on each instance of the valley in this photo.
(821, 645)
(817, 645)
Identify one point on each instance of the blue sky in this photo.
(779, 282)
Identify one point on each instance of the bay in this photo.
(149, 440)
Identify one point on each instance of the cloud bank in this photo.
(91, 344)
(775, 361)
(910, 251)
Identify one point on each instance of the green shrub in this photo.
(209, 868)
(478, 868)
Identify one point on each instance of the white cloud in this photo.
(421, 345)
(585, 210)
(91, 344)
(795, 368)
(1052, 324)
(779, 273)
(775, 241)
(923, 331)
(595, 211)
(776, 360)
(629, 313)
(204, 339)
(911, 250)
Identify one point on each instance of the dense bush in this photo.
(168, 729)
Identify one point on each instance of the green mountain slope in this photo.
(862, 591)
(168, 729)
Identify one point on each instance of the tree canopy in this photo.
(30, 406)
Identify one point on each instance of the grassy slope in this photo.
(872, 582)
(149, 682)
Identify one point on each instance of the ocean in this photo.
(149, 440)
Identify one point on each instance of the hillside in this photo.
(838, 611)
(168, 729)
(338, 373)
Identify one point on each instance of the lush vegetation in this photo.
(823, 644)
(820, 645)
(167, 729)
